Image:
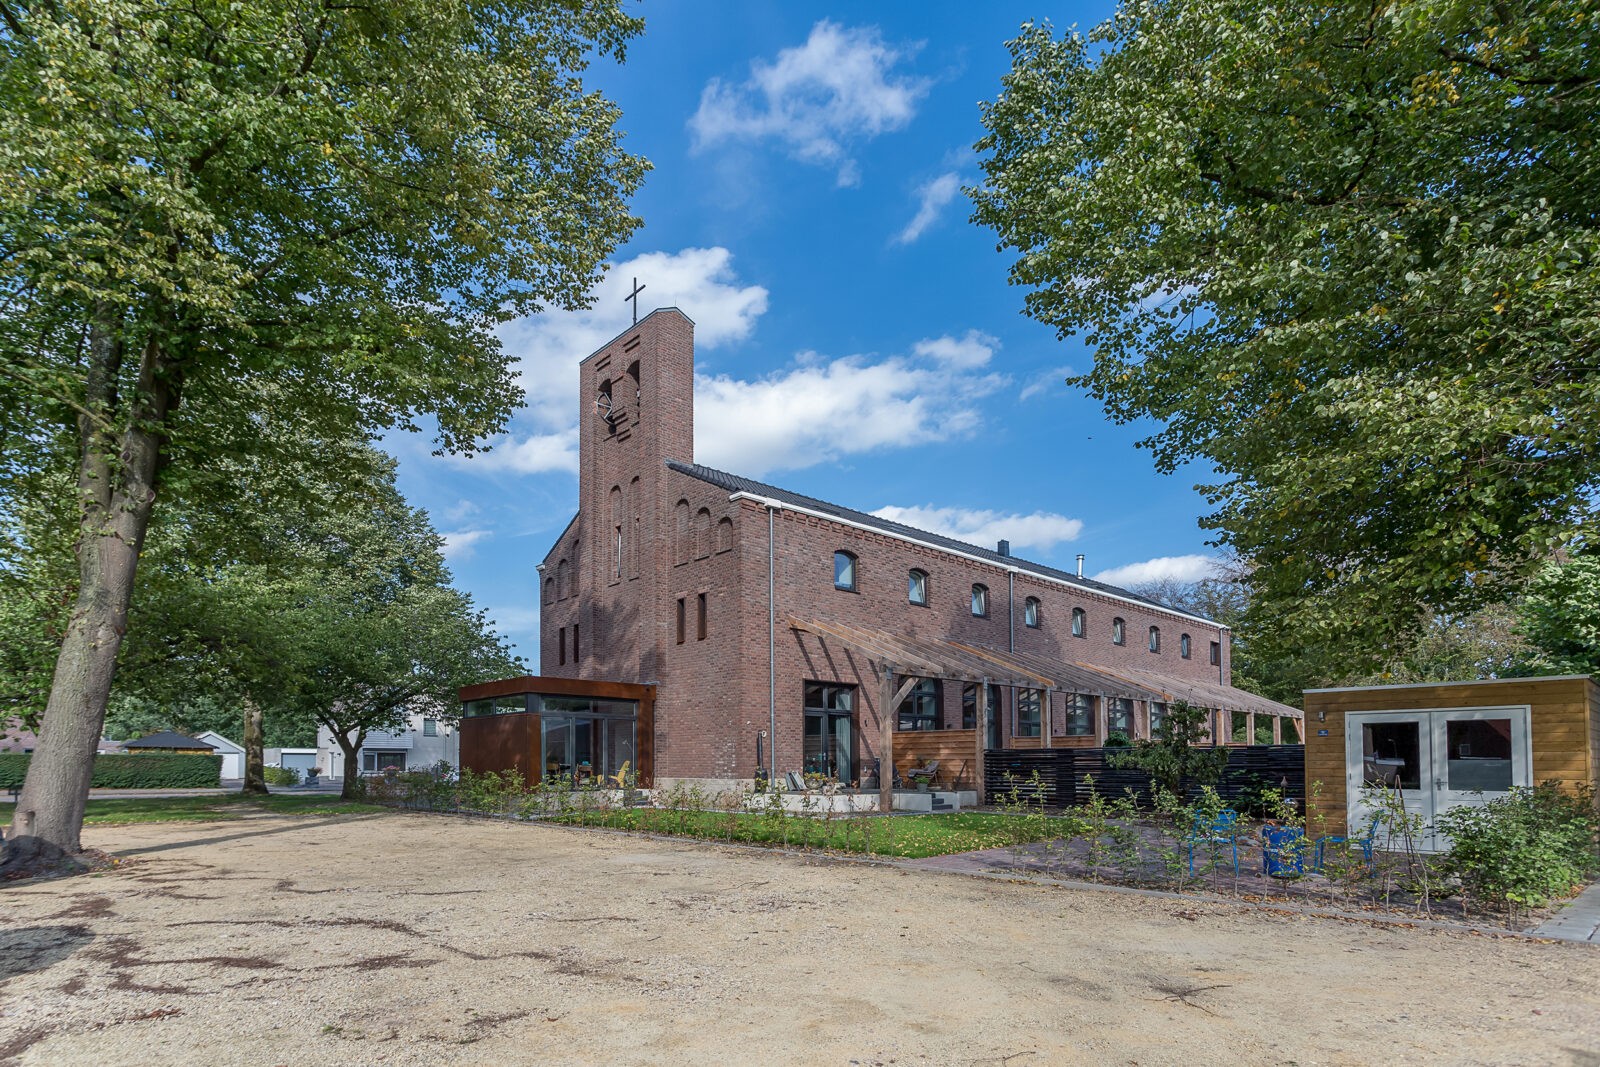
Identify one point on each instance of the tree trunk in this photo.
(118, 458)
(352, 767)
(255, 776)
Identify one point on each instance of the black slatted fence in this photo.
(1063, 774)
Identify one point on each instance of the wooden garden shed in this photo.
(1445, 744)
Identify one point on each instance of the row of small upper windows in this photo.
(844, 577)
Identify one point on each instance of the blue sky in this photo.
(856, 336)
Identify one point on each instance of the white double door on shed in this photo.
(1438, 758)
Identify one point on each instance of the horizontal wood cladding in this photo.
(567, 687)
(1564, 722)
(956, 751)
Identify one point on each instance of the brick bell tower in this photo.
(636, 412)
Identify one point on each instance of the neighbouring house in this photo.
(1445, 744)
(303, 760)
(15, 738)
(706, 627)
(425, 740)
(168, 741)
(232, 754)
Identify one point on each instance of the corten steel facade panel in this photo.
(497, 742)
(681, 536)
(502, 743)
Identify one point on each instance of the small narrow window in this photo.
(616, 566)
(1078, 622)
(1030, 612)
(1216, 653)
(1119, 632)
(1184, 645)
(682, 618)
(724, 534)
(549, 590)
(576, 655)
(844, 571)
(917, 587)
(1158, 715)
(1155, 639)
(969, 706)
(430, 727)
(700, 617)
(980, 600)
(561, 646)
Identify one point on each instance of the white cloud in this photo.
(967, 352)
(699, 281)
(820, 410)
(458, 545)
(1042, 529)
(932, 196)
(837, 87)
(1191, 568)
(1045, 382)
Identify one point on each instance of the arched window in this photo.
(1030, 612)
(724, 534)
(633, 545)
(563, 580)
(702, 533)
(549, 590)
(917, 587)
(1079, 623)
(680, 519)
(844, 570)
(616, 535)
(1155, 639)
(1184, 645)
(635, 398)
(1119, 634)
(980, 600)
(605, 406)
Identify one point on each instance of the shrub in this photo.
(1525, 848)
(154, 771)
(281, 775)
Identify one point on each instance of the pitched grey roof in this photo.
(734, 483)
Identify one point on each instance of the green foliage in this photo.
(153, 771)
(1346, 256)
(1179, 754)
(1560, 617)
(1526, 848)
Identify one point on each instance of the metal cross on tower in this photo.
(634, 296)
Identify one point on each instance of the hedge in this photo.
(122, 771)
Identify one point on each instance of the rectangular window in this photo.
(683, 611)
(969, 706)
(700, 617)
(430, 727)
(576, 655)
(1216, 653)
(1080, 715)
(561, 646)
(1158, 715)
(378, 762)
(920, 709)
(1119, 716)
(1028, 713)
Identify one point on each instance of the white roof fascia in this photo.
(786, 506)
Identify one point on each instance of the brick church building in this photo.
(697, 625)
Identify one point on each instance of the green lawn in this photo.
(111, 811)
(909, 836)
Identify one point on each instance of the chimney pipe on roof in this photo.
(1080, 564)
(1004, 548)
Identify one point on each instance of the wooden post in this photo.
(980, 735)
(886, 726)
(1277, 729)
(1250, 727)
(1047, 715)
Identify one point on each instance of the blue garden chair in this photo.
(1367, 843)
(1220, 829)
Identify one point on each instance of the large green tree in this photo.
(1345, 256)
(1560, 618)
(216, 209)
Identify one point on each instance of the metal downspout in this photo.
(772, 652)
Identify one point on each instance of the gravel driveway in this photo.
(412, 939)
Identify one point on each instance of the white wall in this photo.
(422, 751)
